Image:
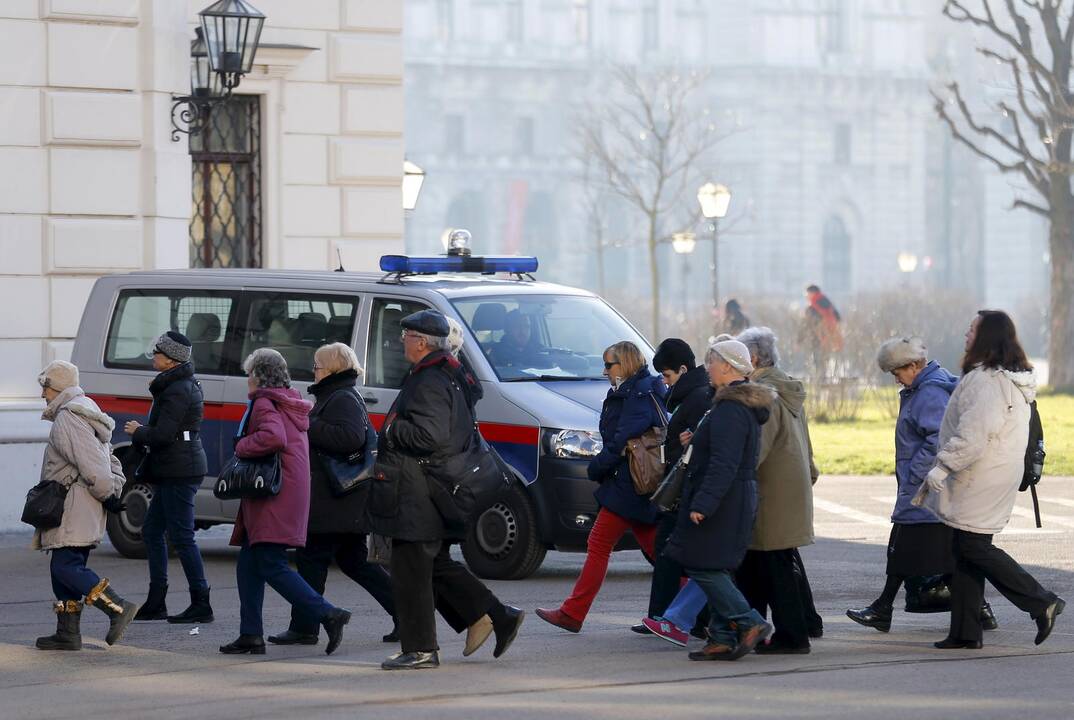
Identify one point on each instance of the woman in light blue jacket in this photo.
(919, 545)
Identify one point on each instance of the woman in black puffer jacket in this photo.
(337, 525)
(175, 465)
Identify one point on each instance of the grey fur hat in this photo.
(900, 352)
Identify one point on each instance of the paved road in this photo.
(605, 672)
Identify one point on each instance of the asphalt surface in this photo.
(161, 671)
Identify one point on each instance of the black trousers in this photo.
(425, 579)
(977, 560)
(351, 556)
(767, 580)
(813, 619)
(667, 574)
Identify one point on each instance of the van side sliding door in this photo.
(385, 364)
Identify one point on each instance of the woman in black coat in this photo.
(719, 502)
(337, 525)
(175, 465)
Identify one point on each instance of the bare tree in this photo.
(646, 140)
(1032, 40)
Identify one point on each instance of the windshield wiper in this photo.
(551, 378)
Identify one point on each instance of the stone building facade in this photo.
(92, 183)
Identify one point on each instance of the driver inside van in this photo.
(517, 348)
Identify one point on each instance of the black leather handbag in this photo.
(44, 505)
(259, 477)
(667, 494)
(345, 475)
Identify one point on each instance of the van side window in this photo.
(142, 315)
(386, 366)
(296, 324)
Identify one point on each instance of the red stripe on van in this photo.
(140, 406)
(233, 412)
(492, 432)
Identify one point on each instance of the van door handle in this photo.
(370, 400)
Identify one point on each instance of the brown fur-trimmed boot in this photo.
(120, 612)
(68, 635)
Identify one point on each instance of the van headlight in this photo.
(573, 443)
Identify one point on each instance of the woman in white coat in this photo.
(979, 466)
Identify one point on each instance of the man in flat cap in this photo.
(432, 419)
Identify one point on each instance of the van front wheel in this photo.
(502, 542)
(125, 528)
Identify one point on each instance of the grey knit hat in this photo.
(734, 354)
(174, 345)
(900, 352)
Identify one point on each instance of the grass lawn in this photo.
(866, 445)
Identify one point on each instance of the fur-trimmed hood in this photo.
(754, 396)
(75, 400)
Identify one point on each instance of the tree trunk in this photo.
(654, 279)
(1061, 315)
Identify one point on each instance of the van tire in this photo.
(125, 528)
(502, 542)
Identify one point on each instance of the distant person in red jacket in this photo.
(821, 329)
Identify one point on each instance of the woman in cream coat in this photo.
(979, 466)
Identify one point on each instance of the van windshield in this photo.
(546, 337)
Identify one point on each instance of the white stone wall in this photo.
(91, 182)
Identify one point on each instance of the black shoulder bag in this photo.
(256, 477)
(346, 474)
(44, 505)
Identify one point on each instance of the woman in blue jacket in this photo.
(919, 545)
(633, 405)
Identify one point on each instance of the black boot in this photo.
(293, 637)
(988, 618)
(872, 616)
(333, 624)
(68, 635)
(245, 645)
(393, 636)
(155, 606)
(120, 612)
(933, 595)
(506, 620)
(200, 611)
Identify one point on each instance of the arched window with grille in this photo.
(836, 256)
(225, 225)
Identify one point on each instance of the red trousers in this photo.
(608, 530)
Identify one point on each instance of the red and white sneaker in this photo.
(666, 630)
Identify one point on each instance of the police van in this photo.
(535, 347)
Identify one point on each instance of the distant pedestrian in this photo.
(979, 466)
(920, 545)
(633, 405)
(689, 398)
(174, 464)
(821, 331)
(337, 525)
(432, 419)
(719, 502)
(734, 320)
(276, 422)
(78, 455)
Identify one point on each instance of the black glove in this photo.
(114, 505)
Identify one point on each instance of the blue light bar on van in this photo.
(433, 264)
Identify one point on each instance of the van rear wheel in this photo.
(502, 542)
(125, 528)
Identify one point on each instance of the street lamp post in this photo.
(714, 200)
(683, 243)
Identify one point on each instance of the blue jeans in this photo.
(71, 579)
(172, 511)
(727, 606)
(686, 606)
(267, 563)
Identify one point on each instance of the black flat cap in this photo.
(427, 322)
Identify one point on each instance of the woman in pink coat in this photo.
(275, 422)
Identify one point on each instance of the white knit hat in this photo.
(900, 352)
(58, 375)
(734, 354)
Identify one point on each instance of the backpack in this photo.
(1034, 460)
